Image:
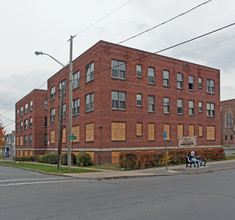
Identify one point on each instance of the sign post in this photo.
(165, 137)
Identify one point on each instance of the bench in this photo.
(189, 163)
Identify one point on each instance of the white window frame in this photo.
(90, 102)
(90, 72)
(118, 69)
(118, 100)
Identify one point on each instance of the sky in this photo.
(46, 25)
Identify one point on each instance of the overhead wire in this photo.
(170, 47)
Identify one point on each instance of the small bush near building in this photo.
(84, 159)
(64, 159)
(50, 158)
(148, 159)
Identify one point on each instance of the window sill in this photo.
(151, 84)
(89, 111)
(166, 113)
(118, 78)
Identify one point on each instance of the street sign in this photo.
(165, 134)
(72, 137)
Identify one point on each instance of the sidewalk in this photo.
(159, 171)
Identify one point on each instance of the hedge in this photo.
(148, 159)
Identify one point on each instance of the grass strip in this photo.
(47, 168)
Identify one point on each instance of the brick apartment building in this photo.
(123, 100)
(227, 109)
(31, 124)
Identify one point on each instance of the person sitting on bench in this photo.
(193, 159)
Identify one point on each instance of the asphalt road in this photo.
(30, 195)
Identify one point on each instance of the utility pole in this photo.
(60, 127)
(70, 99)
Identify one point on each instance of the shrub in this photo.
(138, 160)
(50, 158)
(64, 159)
(83, 159)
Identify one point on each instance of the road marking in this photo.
(48, 182)
(13, 180)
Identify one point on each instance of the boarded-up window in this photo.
(26, 153)
(180, 130)
(90, 132)
(52, 137)
(200, 133)
(151, 132)
(21, 140)
(21, 152)
(167, 129)
(17, 141)
(118, 131)
(64, 135)
(191, 130)
(75, 132)
(138, 129)
(210, 133)
(30, 153)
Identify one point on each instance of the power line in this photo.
(165, 22)
(168, 48)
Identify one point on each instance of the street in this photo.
(31, 195)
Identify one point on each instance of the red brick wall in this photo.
(102, 85)
(225, 106)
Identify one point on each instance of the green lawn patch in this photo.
(230, 157)
(107, 167)
(47, 168)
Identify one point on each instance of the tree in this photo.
(2, 135)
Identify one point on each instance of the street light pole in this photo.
(70, 99)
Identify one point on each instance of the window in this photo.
(52, 115)
(210, 86)
(191, 107)
(30, 140)
(25, 140)
(138, 129)
(180, 130)
(200, 106)
(226, 137)
(53, 93)
(151, 132)
(138, 71)
(31, 105)
(89, 72)
(191, 130)
(53, 137)
(229, 119)
(179, 81)
(21, 111)
(191, 83)
(151, 103)
(166, 105)
(166, 78)
(75, 107)
(180, 106)
(75, 80)
(118, 100)
(17, 127)
(26, 108)
(139, 100)
(118, 131)
(21, 126)
(200, 132)
(89, 132)
(118, 69)
(200, 83)
(210, 133)
(45, 104)
(151, 74)
(64, 111)
(90, 102)
(210, 109)
(62, 85)
(30, 122)
(45, 139)
(231, 137)
(45, 121)
(26, 124)
(17, 113)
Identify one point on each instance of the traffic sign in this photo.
(72, 137)
(165, 134)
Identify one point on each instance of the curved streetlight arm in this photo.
(41, 53)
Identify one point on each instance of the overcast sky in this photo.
(46, 25)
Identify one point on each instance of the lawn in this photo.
(47, 168)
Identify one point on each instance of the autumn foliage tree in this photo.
(2, 135)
